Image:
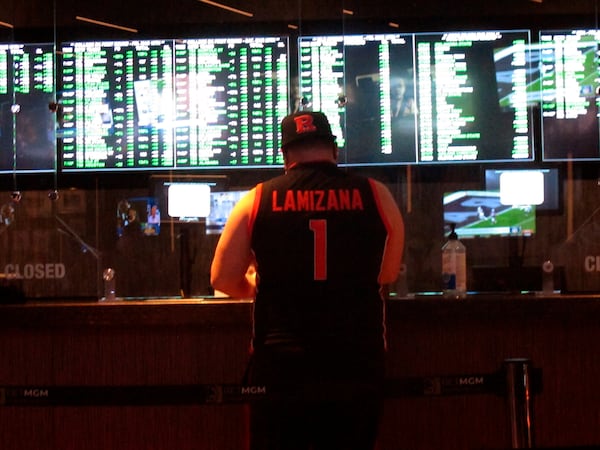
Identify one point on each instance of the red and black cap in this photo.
(303, 125)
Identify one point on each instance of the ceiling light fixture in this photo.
(106, 24)
(7, 25)
(227, 8)
(291, 26)
(394, 24)
(348, 12)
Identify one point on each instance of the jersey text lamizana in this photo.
(317, 200)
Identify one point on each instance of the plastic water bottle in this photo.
(454, 267)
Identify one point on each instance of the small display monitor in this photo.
(138, 215)
(188, 201)
(483, 214)
(536, 186)
(221, 205)
(185, 198)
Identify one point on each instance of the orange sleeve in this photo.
(252, 218)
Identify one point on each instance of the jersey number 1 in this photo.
(319, 229)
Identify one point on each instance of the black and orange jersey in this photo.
(318, 235)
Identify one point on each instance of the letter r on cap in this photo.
(304, 124)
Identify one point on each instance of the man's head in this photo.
(305, 125)
(307, 136)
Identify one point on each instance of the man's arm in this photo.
(394, 245)
(232, 271)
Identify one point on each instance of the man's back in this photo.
(322, 244)
(318, 238)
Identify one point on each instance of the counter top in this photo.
(180, 312)
(221, 312)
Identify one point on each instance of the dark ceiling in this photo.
(40, 19)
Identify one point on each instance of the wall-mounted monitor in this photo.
(569, 95)
(138, 215)
(27, 118)
(188, 201)
(185, 198)
(483, 214)
(221, 205)
(423, 98)
(535, 186)
(173, 104)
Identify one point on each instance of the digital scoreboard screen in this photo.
(173, 104)
(27, 124)
(569, 95)
(117, 102)
(422, 98)
(230, 96)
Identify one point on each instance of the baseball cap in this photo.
(303, 125)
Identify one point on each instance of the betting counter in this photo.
(170, 343)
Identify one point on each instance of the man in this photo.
(315, 247)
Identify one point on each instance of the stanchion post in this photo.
(519, 401)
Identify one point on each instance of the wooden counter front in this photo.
(185, 342)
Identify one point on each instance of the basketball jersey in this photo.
(318, 236)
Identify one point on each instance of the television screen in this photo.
(173, 104)
(185, 198)
(539, 187)
(422, 98)
(138, 215)
(482, 214)
(27, 121)
(221, 205)
(188, 201)
(569, 95)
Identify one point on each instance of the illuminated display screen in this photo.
(525, 185)
(422, 98)
(117, 105)
(569, 92)
(173, 104)
(483, 214)
(221, 206)
(27, 125)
